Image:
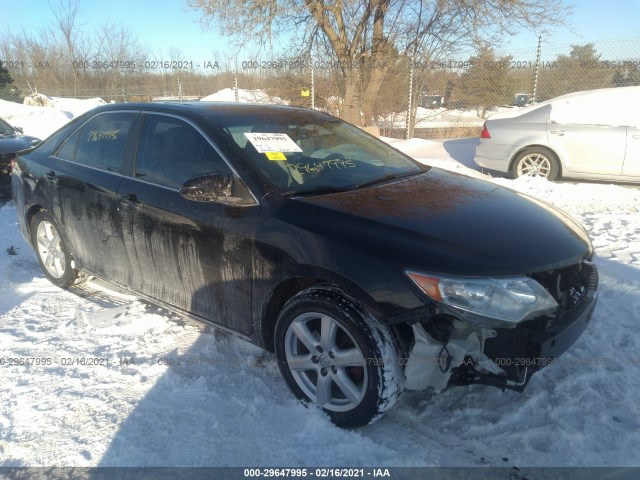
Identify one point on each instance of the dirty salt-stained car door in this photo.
(196, 256)
(82, 178)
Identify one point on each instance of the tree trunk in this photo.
(370, 96)
(351, 104)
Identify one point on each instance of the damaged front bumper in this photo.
(461, 353)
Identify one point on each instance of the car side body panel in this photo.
(84, 202)
(589, 148)
(631, 166)
(195, 256)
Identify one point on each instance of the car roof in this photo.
(206, 108)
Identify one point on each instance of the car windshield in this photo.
(5, 128)
(306, 152)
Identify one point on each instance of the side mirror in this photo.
(19, 129)
(207, 188)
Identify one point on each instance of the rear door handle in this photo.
(51, 177)
(557, 132)
(131, 200)
(635, 137)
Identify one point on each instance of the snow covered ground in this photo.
(442, 117)
(102, 393)
(456, 155)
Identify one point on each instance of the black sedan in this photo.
(11, 141)
(365, 272)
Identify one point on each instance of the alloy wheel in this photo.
(534, 165)
(50, 249)
(326, 362)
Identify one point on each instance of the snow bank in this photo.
(35, 120)
(443, 118)
(41, 121)
(37, 100)
(74, 106)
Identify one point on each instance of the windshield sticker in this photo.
(317, 167)
(278, 156)
(272, 142)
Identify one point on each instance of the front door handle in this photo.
(557, 132)
(635, 137)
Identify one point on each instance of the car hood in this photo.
(14, 143)
(445, 222)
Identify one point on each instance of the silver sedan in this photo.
(590, 135)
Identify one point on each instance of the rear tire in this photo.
(52, 251)
(536, 162)
(333, 353)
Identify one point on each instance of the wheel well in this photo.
(543, 147)
(30, 213)
(402, 334)
(281, 294)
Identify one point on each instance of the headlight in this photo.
(509, 300)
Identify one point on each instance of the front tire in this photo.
(52, 251)
(536, 162)
(333, 353)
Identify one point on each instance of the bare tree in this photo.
(121, 55)
(35, 54)
(66, 26)
(367, 37)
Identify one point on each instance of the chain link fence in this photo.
(403, 97)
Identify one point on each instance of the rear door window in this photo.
(101, 142)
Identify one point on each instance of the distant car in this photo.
(365, 271)
(590, 135)
(431, 101)
(521, 99)
(11, 141)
